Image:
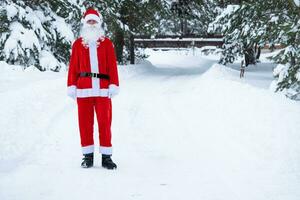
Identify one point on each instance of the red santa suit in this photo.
(93, 93)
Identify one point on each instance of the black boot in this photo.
(107, 162)
(88, 160)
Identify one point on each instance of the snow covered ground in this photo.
(183, 128)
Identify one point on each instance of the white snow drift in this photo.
(183, 128)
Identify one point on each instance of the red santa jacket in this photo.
(95, 57)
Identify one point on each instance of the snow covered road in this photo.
(180, 131)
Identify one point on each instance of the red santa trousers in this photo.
(103, 108)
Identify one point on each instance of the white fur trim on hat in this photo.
(92, 17)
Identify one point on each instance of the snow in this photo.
(22, 11)
(20, 39)
(36, 18)
(6, 67)
(63, 28)
(298, 75)
(274, 19)
(281, 70)
(180, 39)
(224, 14)
(11, 11)
(228, 10)
(184, 127)
(48, 61)
(297, 2)
(30, 33)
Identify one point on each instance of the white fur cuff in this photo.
(114, 89)
(105, 150)
(87, 149)
(71, 91)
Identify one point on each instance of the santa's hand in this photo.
(113, 90)
(72, 92)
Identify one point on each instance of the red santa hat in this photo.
(92, 14)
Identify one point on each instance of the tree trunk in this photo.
(119, 44)
(185, 27)
(250, 57)
(181, 27)
(257, 51)
(131, 48)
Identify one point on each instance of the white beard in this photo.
(91, 33)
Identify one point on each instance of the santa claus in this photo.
(93, 81)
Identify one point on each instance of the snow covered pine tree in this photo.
(288, 70)
(264, 23)
(37, 33)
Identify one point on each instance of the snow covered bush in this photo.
(288, 73)
(243, 29)
(259, 23)
(191, 17)
(288, 79)
(36, 33)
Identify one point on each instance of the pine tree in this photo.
(37, 33)
(260, 23)
(240, 24)
(125, 19)
(288, 70)
(139, 18)
(193, 17)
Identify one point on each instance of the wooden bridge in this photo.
(177, 42)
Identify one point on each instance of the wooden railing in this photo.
(177, 42)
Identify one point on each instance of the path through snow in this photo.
(183, 130)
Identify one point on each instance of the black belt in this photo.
(95, 75)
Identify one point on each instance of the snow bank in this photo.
(9, 68)
(30, 34)
(48, 61)
(181, 130)
(25, 100)
(217, 71)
